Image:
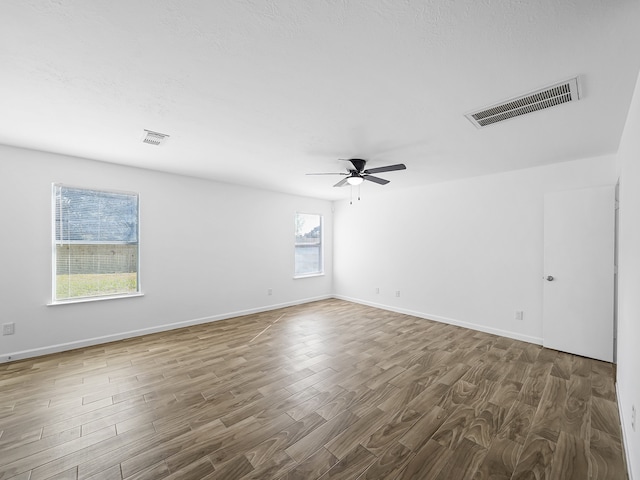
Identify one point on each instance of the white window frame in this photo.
(54, 242)
(320, 244)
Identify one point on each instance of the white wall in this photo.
(468, 252)
(208, 250)
(628, 380)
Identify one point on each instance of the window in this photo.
(95, 251)
(308, 245)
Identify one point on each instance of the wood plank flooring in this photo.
(329, 390)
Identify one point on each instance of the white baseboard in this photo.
(36, 352)
(450, 321)
(62, 347)
(625, 436)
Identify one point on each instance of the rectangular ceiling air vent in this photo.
(550, 96)
(154, 138)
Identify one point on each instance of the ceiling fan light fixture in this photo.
(355, 180)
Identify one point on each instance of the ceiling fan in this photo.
(358, 174)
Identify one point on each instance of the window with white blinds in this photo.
(308, 245)
(95, 243)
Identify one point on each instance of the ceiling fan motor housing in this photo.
(358, 163)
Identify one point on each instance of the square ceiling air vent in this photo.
(154, 138)
(550, 96)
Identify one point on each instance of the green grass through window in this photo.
(92, 285)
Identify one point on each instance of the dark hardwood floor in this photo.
(324, 390)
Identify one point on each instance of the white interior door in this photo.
(578, 270)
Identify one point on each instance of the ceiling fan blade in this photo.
(388, 168)
(341, 182)
(326, 173)
(371, 178)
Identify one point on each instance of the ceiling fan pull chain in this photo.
(351, 199)
(359, 192)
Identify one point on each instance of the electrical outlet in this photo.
(519, 315)
(8, 328)
(377, 290)
(269, 291)
(633, 417)
(397, 293)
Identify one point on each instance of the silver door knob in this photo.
(550, 278)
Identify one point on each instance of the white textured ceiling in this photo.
(259, 92)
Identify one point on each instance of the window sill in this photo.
(321, 274)
(93, 299)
